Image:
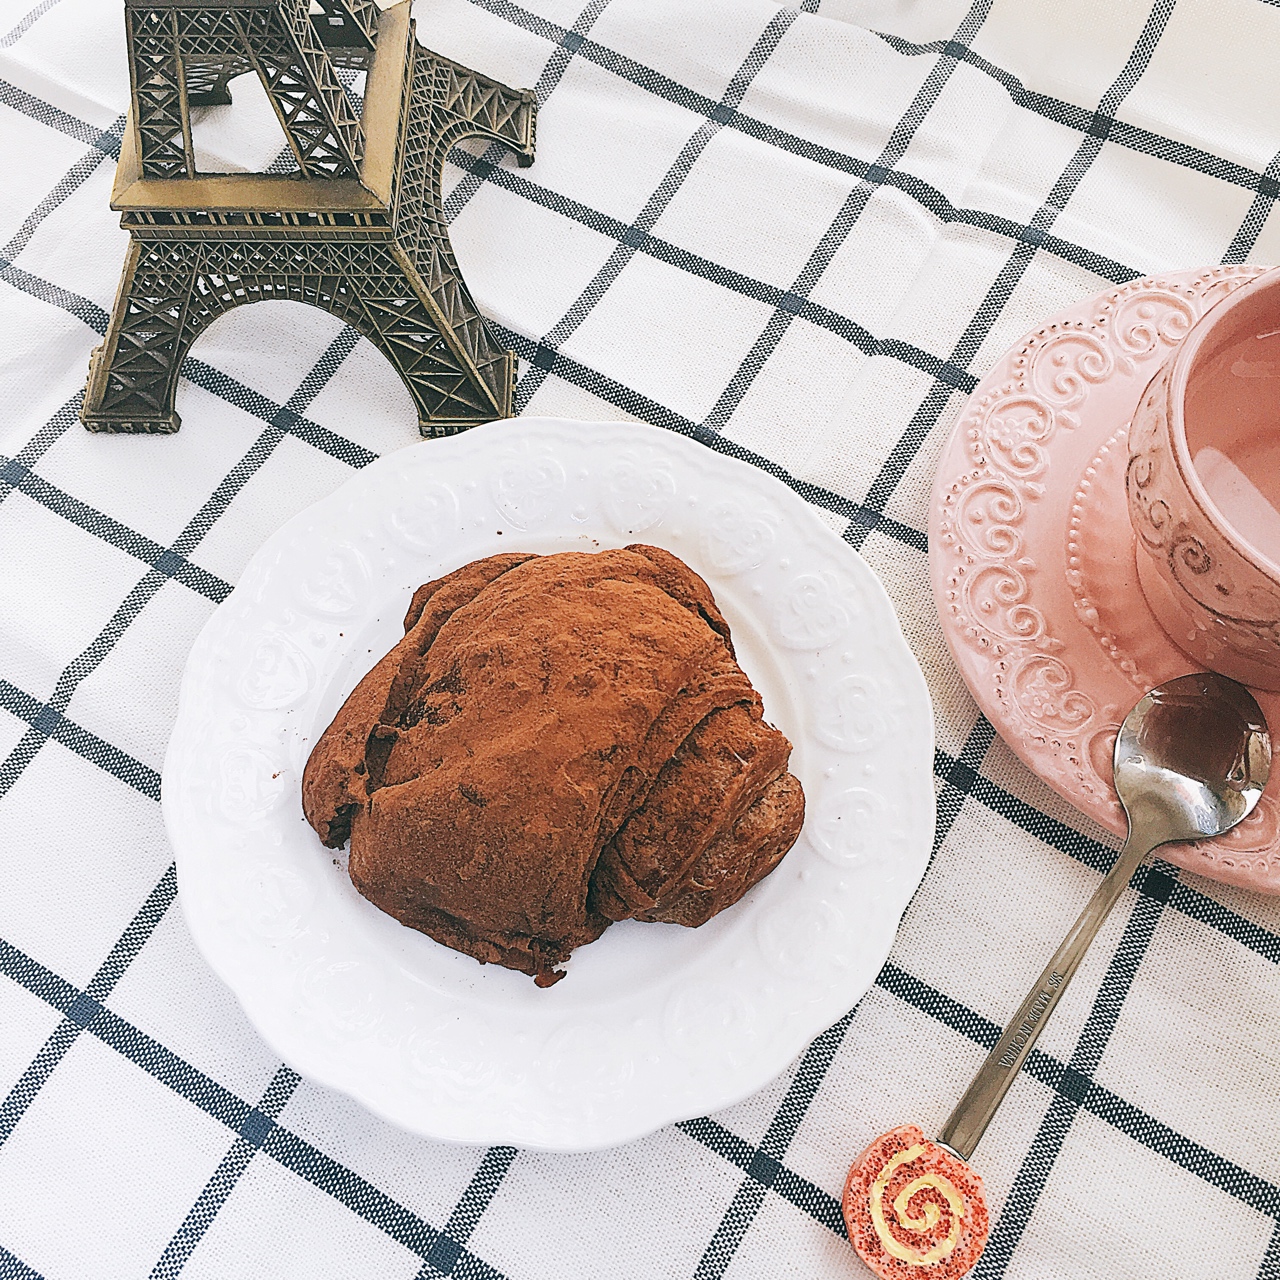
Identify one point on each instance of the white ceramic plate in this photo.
(653, 1023)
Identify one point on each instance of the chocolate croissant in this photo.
(558, 742)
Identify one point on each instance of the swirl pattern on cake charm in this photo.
(913, 1210)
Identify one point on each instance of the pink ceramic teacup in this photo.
(1204, 488)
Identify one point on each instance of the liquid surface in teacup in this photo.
(1231, 413)
(1240, 500)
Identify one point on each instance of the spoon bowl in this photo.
(1191, 759)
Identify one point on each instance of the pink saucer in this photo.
(1032, 555)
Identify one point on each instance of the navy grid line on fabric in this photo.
(1270, 1268)
(19, 471)
(958, 776)
(1103, 124)
(80, 1007)
(22, 478)
(766, 1160)
(51, 723)
(448, 1256)
(634, 235)
(770, 1173)
(1246, 237)
(264, 1114)
(928, 414)
(196, 528)
(245, 1119)
(20, 29)
(835, 235)
(13, 1268)
(56, 118)
(82, 1010)
(69, 183)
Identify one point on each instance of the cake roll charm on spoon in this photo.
(913, 1208)
(1191, 760)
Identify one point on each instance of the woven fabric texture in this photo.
(800, 234)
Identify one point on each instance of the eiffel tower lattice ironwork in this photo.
(359, 230)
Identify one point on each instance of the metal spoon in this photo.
(1191, 760)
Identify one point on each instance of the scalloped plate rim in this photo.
(899, 888)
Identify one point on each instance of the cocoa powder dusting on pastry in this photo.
(557, 742)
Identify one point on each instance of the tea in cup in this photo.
(1203, 485)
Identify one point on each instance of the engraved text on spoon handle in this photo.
(967, 1123)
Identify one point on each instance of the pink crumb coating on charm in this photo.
(913, 1210)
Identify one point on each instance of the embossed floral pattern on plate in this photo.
(653, 1023)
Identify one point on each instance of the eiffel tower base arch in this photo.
(170, 294)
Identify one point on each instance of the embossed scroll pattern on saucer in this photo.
(1094, 581)
(985, 577)
(1104, 586)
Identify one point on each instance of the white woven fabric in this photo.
(805, 232)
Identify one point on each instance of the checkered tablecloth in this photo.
(801, 234)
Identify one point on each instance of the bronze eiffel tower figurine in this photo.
(358, 230)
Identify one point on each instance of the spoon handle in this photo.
(968, 1122)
